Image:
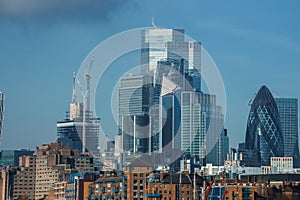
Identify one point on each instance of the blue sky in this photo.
(43, 42)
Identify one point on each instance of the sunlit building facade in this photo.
(202, 123)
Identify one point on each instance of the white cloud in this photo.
(47, 9)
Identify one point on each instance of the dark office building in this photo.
(69, 131)
(288, 112)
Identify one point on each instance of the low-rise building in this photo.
(281, 165)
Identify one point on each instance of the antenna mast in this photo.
(153, 22)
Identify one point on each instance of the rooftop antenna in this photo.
(153, 23)
(275, 95)
(74, 91)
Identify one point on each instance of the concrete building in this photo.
(6, 183)
(173, 186)
(281, 165)
(25, 178)
(146, 185)
(122, 185)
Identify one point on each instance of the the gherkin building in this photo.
(264, 136)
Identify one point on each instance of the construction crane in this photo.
(208, 189)
(74, 91)
(86, 102)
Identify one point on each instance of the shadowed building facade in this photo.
(263, 135)
(288, 112)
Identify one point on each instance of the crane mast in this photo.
(86, 103)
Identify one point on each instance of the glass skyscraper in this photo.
(218, 154)
(166, 100)
(155, 46)
(288, 113)
(201, 127)
(169, 118)
(11, 157)
(159, 44)
(264, 135)
(134, 120)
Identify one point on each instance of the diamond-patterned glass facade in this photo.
(264, 136)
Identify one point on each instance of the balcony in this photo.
(109, 196)
(97, 197)
(153, 195)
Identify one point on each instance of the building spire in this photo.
(153, 23)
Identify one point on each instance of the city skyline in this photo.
(39, 56)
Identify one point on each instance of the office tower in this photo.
(288, 113)
(168, 82)
(155, 46)
(169, 119)
(170, 65)
(191, 52)
(159, 44)
(11, 157)
(118, 144)
(201, 126)
(1, 112)
(134, 120)
(192, 125)
(263, 135)
(222, 147)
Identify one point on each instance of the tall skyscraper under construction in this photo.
(70, 130)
